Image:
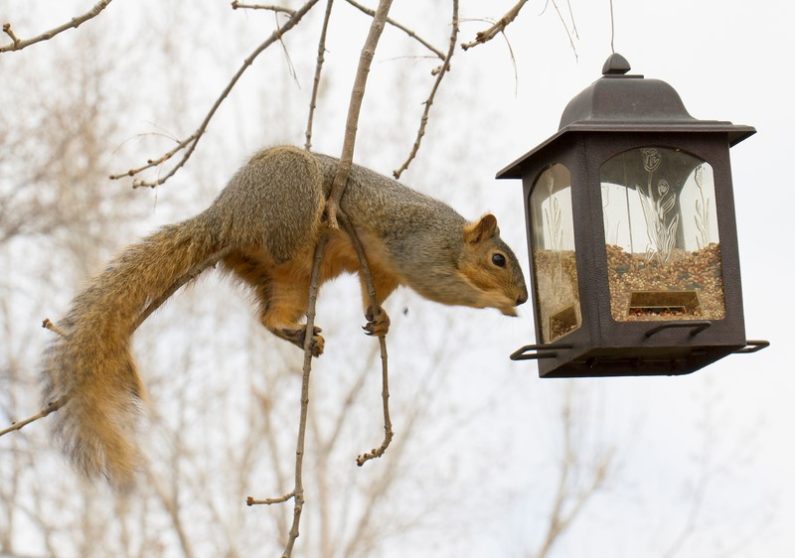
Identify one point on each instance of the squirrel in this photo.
(265, 223)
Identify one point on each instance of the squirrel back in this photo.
(264, 225)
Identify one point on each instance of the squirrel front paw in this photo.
(298, 336)
(377, 322)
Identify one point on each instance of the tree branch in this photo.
(488, 34)
(354, 107)
(51, 407)
(400, 26)
(321, 51)
(189, 144)
(74, 23)
(371, 294)
(297, 494)
(429, 101)
(270, 7)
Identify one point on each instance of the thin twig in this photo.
(488, 34)
(298, 492)
(269, 501)
(402, 27)
(189, 144)
(321, 52)
(429, 101)
(354, 107)
(155, 162)
(48, 324)
(51, 407)
(154, 305)
(371, 294)
(569, 33)
(74, 23)
(270, 7)
(564, 513)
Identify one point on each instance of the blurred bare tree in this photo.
(223, 393)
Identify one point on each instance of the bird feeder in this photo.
(632, 236)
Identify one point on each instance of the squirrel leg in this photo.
(377, 318)
(282, 302)
(282, 310)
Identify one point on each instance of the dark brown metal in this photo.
(618, 113)
(544, 351)
(695, 327)
(621, 102)
(752, 346)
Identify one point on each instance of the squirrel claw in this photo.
(377, 322)
(298, 336)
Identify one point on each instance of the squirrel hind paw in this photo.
(297, 337)
(377, 322)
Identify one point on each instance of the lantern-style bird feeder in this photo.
(632, 234)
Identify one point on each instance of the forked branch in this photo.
(411, 33)
(188, 145)
(321, 57)
(297, 494)
(52, 406)
(371, 294)
(270, 7)
(74, 23)
(488, 34)
(354, 108)
(429, 101)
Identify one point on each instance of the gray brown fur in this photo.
(267, 221)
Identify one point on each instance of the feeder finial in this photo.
(615, 65)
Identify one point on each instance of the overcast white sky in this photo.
(729, 60)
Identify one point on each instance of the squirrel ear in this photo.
(481, 230)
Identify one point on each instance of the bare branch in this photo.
(371, 294)
(189, 144)
(74, 23)
(298, 492)
(354, 107)
(488, 34)
(171, 507)
(429, 101)
(48, 324)
(570, 33)
(297, 495)
(269, 501)
(51, 407)
(563, 511)
(321, 52)
(270, 7)
(400, 26)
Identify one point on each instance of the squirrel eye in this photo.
(498, 260)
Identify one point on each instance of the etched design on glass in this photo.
(657, 203)
(703, 210)
(662, 243)
(554, 263)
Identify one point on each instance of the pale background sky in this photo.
(728, 60)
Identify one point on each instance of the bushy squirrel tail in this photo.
(91, 364)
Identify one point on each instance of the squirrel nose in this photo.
(521, 299)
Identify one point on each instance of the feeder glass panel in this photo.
(661, 235)
(554, 260)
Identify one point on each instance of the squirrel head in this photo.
(489, 265)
